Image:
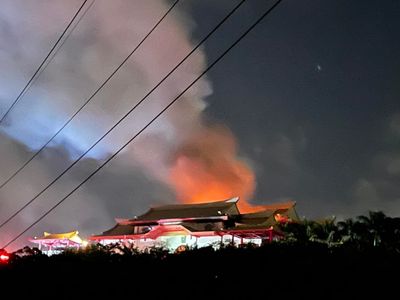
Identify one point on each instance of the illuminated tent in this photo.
(58, 241)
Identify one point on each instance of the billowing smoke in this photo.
(103, 38)
(198, 161)
(206, 167)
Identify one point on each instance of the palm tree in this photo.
(312, 231)
(375, 225)
(326, 231)
(345, 229)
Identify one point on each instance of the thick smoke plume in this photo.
(206, 167)
(199, 162)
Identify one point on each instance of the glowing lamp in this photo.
(4, 257)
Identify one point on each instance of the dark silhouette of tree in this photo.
(374, 227)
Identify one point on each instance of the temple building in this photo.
(182, 225)
(54, 243)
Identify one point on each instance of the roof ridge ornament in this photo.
(232, 200)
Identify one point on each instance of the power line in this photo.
(48, 61)
(87, 101)
(125, 116)
(148, 124)
(42, 64)
(70, 119)
(61, 45)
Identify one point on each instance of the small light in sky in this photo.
(319, 68)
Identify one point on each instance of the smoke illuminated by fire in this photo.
(205, 165)
(207, 168)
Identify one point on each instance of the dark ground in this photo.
(284, 271)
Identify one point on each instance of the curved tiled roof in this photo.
(72, 236)
(199, 210)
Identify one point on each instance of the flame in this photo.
(281, 218)
(207, 168)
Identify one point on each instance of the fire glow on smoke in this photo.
(199, 162)
(207, 168)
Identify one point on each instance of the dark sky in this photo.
(312, 96)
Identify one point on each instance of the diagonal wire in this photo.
(126, 115)
(267, 12)
(86, 102)
(42, 64)
(61, 45)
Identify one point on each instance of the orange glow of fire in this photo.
(207, 169)
(281, 218)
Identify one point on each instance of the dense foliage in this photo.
(374, 230)
(322, 260)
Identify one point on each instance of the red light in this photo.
(4, 257)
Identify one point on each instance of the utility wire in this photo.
(148, 124)
(48, 61)
(61, 45)
(126, 115)
(86, 102)
(42, 64)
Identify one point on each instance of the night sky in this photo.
(312, 96)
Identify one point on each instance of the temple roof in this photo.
(197, 219)
(269, 210)
(71, 236)
(119, 230)
(199, 210)
(269, 215)
(278, 206)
